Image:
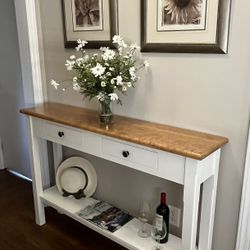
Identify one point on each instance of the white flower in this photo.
(69, 64)
(81, 44)
(54, 84)
(79, 61)
(98, 70)
(109, 54)
(113, 97)
(129, 84)
(111, 69)
(112, 81)
(73, 57)
(103, 49)
(103, 84)
(146, 64)
(119, 80)
(76, 87)
(133, 78)
(120, 50)
(124, 88)
(75, 79)
(134, 46)
(100, 96)
(119, 40)
(86, 58)
(132, 71)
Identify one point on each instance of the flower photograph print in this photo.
(93, 20)
(185, 26)
(181, 14)
(87, 14)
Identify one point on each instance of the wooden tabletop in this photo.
(188, 143)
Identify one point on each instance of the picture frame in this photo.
(95, 21)
(198, 26)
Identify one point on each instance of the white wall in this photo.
(12, 124)
(197, 91)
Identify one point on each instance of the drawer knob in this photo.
(125, 154)
(60, 134)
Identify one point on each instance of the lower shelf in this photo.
(125, 236)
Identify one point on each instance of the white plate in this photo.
(76, 174)
(71, 176)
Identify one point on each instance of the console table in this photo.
(183, 156)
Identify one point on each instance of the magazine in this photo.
(105, 216)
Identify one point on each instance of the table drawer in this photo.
(64, 135)
(128, 153)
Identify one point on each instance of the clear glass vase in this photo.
(105, 115)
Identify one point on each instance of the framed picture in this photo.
(187, 26)
(95, 21)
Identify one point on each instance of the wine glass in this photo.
(158, 231)
(144, 214)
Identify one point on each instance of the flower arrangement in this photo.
(104, 74)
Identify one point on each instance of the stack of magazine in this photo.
(105, 216)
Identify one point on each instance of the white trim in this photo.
(243, 239)
(22, 29)
(19, 175)
(1, 155)
(32, 60)
(35, 51)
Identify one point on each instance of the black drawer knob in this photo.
(60, 134)
(125, 154)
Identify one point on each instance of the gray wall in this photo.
(197, 91)
(12, 125)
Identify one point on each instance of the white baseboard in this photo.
(19, 175)
(1, 155)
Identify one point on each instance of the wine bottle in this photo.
(163, 210)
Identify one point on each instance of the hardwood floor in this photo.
(18, 230)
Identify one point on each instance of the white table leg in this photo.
(36, 166)
(57, 155)
(43, 153)
(208, 207)
(191, 204)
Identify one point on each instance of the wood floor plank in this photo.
(18, 230)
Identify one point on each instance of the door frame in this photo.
(243, 237)
(31, 51)
(32, 61)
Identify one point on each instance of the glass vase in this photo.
(105, 115)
